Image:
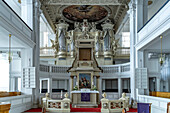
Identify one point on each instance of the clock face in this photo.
(92, 13)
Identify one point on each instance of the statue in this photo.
(104, 95)
(126, 101)
(66, 95)
(55, 46)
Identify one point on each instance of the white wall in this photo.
(154, 7)
(4, 70)
(15, 6)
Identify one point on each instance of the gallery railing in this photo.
(53, 68)
(46, 51)
(116, 68)
(106, 68)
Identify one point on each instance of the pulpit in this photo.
(4, 107)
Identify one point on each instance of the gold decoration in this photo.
(9, 55)
(66, 95)
(161, 58)
(19, 1)
(104, 95)
(150, 2)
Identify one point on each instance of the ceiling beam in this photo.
(83, 2)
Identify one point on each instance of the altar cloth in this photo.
(85, 97)
(84, 91)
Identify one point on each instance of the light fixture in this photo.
(19, 1)
(161, 60)
(9, 55)
(150, 2)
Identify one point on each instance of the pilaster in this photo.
(142, 12)
(133, 34)
(36, 58)
(158, 84)
(27, 12)
(120, 87)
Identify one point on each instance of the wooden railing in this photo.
(5, 107)
(7, 94)
(160, 94)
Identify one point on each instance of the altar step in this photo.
(85, 106)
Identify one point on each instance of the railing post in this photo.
(50, 68)
(66, 104)
(104, 104)
(119, 68)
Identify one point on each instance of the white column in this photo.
(120, 87)
(142, 13)
(40, 85)
(133, 33)
(27, 12)
(36, 50)
(50, 87)
(103, 84)
(66, 85)
(158, 82)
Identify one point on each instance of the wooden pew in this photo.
(160, 94)
(4, 107)
(7, 94)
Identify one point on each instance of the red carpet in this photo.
(86, 109)
(79, 109)
(132, 110)
(34, 110)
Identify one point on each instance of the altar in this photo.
(84, 98)
(85, 70)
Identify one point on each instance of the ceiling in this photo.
(76, 10)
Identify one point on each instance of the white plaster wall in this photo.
(154, 7)
(152, 64)
(15, 6)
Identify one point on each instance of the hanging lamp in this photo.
(9, 55)
(150, 2)
(161, 60)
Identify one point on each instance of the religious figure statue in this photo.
(55, 46)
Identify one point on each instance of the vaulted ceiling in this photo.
(75, 10)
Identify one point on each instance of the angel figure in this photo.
(55, 46)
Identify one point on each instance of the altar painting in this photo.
(84, 80)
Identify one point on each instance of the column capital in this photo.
(132, 7)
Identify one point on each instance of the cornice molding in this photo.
(84, 2)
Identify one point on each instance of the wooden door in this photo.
(85, 54)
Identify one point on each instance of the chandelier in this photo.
(161, 59)
(9, 54)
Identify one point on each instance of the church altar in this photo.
(84, 98)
